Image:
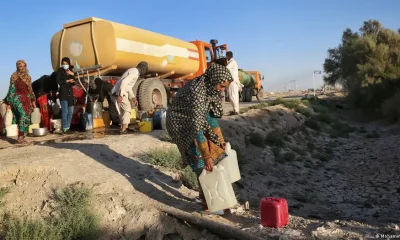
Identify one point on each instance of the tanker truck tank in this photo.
(246, 79)
(118, 47)
(248, 85)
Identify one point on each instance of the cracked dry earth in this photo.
(352, 196)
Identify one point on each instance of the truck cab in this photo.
(258, 90)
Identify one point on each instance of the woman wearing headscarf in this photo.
(65, 78)
(192, 120)
(21, 99)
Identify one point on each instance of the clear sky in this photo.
(285, 40)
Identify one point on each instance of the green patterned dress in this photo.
(20, 96)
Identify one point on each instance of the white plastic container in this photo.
(12, 130)
(3, 109)
(231, 164)
(35, 116)
(8, 117)
(56, 124)
(217, 189)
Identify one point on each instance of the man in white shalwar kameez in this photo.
(235, 86)
(122, 93)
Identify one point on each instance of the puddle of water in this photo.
(97, 133)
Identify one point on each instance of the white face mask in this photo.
(66, 66)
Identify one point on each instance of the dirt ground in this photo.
(354, 195)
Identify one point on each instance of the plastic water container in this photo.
(231, 164)
(12, 130)
(88, 121)
(133, 116)
(3, 109)
(33, 126)
(106, 118)
(164, 121)
(274, 212)
(35, 116)
(56, 124)
(217, 189)
(159, 118)
(98, 123)
(8, 117)
(146, 125)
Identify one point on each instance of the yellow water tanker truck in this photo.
(98, 47)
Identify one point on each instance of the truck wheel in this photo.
(249, 94)
(260, 94)
(244, 96)
(135, 88)
(152, 93)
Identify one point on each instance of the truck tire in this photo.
(260, 94)
(152, 93)
(135, 88)
(243, 93)
(249, 94)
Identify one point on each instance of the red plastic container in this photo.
(274, 212)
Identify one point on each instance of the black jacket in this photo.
(44, 85)
(102, 90)
(39, 86)
(65, 90)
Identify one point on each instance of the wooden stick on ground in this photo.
(214, 227)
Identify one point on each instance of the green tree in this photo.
(366, 63)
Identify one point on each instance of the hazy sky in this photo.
(285, 40)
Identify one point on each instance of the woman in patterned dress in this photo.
(21, 99)
(192, 120)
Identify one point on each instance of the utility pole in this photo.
(313, 77)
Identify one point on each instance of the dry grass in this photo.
(74, 220)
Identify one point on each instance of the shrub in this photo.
(322, 157)
(313, 124)
(303, 111)
(276, 151)
(256, 139)
(311, 146)
(169, 157)
(189, 179)
(306, 103)
(259, 106)
(300, 151)
(288, 157)
(3, 192)
(324, 117)
(277, 102)
(165, 136)
(291, 104)
(362, 130)
(75, 220)
(274, 138)
(391, 108)
(372, 135)
(17, 229)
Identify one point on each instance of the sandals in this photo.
(123, 132)
(22, 141)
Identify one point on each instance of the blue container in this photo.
(159, 117)
(88, 121)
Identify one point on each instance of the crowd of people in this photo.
(192, 118)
